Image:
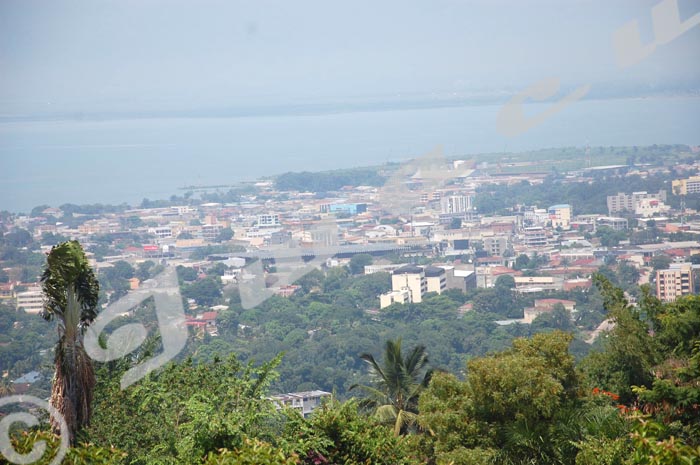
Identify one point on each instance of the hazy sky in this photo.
(103, 55)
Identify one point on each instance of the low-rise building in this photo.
(400, 296)
(268, 220)
(535, 236)
(305, 402)
(615, 223)
(31, 300)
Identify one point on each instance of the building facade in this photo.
(411, 277)
(560, 215)
(31, 300)
(456, 204)
(623, 202)
(305, 402)
(675, 282)
(686, 186)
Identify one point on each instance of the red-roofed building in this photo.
(204, 322)
(287, 291)
(578, 283)
(677, 253)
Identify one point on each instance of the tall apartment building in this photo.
(435, 279)
(686, 186)
(629, 202)
(674, 282)
(411, 277)
(456, 203)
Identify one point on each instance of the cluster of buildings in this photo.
(467, 249)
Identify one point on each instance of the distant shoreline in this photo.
(311, 109)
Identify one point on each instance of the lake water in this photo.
(115, 161)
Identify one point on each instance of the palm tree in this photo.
(398, 383)
(6, 387)
(70, 296)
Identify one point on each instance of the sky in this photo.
(162, 55)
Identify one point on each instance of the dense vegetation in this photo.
(585, 198)
(333, 317)
(635, 401)
(329, 180)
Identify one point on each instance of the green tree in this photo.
(505, 282)
(17, 238)
(399, 382)
(609, 237)
(206, 291)
(456, 223)
(339, 433)
(358, 262)
(226, 234)
(512, 407)
(521, 262)
(629, 351)
(206, 407)
(186, 273)
(660, 262)
(121, 270)
(71, 293)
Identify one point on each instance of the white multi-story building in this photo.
(161, 232)
(411, 282)
(650, 207)
(401, 296)
(31, 300)
(306, 401)
(435, 279)
(535, 217)
(411, 277)
(628, 202)
(456, 204)
(268, 220)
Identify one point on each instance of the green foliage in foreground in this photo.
(185, 411)
(528, 404)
